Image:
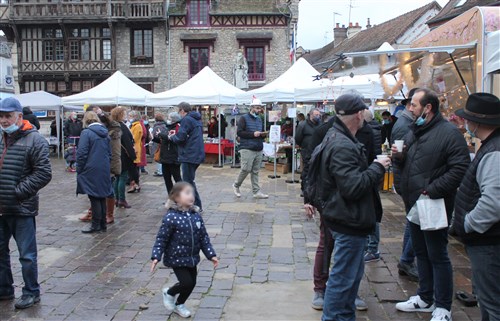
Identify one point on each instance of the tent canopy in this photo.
(205, 88)
(282, 89)
(116, 90)
(40, 100)
(369, 86)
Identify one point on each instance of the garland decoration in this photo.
(390, 91)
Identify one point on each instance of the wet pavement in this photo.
(266, 251)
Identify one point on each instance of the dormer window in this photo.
(198, 13)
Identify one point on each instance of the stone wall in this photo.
(143, 73)
(222, 56)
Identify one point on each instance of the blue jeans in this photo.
(485, 262)
(188, 175)
(435, 273)
(345, 276)
(408, 255)
(23, 229)
(374, 240)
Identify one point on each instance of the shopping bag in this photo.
(412, 215)
(431, 213)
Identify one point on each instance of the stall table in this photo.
(212, 151)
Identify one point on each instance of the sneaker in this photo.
(360, 304)
(26, 301)
(408, 269)
(236, 191)
(182, 311)
(156, 174)
(441, 314)
(372, 257)
(168, 300)
(260, 196)
(318, 301)
(415, 304)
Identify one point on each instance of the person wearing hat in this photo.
(348, 188)
(432, 163)
(476, 220)
(406, 266)
(251, 133)
(24, 170)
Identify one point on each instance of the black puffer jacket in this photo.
(169, 153)
(349, 184)
(436, 161)
(127, 148)
(24, 170)
(304, 137)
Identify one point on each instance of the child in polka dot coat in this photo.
(181, 237)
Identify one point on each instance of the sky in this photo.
(315, 28)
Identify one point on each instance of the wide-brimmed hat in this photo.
(256, 102)
(481, 108)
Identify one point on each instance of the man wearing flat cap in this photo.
(349, 205)
(476, 220)
(24, 170)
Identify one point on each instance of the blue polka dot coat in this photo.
(181, 237)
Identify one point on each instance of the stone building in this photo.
(65, 46)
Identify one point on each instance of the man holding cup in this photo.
(432, 163)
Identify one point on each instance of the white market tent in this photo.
(205, 88)
(369, 86)
(114, 91)
(282, 89)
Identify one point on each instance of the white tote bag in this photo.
(431, 213)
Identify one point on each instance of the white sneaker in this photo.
(415, 304)
(182, 311)
(168, 300)
(260, 196)
(441, 314)
(236, 191)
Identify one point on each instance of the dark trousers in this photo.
(323, 258)
(119, 185)
(485, 263)
(187, 281)
(170, 171)
(434, 266)
(134, 174)
(305, 170)
(23, 229)
(98, 206)
(188, 175)
(408, 255)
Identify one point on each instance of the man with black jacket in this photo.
(24, 170)
(476, 220)
(303, 138)
(433, 163)
(251, 134)
(349, 204)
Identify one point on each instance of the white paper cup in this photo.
(399, 145)
(382, 157)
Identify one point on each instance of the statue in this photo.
(240, 71)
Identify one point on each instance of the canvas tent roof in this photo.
(116, 90)
(40, 100)
(282, 89)
(205, 88)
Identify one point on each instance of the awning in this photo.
(444, 49)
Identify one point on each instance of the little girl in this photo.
(181, 237)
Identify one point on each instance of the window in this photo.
(106, 49)
(460, 3)
(87, 84)
(53, 48)
(256, 63)
(61, 86)
(142, 47)
(76, 86)
(51, 86)
(198, 59)
(79, 44)
(198, 13)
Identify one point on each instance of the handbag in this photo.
(431, 213)
(157, 153)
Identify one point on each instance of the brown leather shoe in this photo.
(87, 217)
(110, 210)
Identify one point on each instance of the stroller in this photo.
(70, 157)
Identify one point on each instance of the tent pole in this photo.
(275, 161)
(293, 180)
(220, 165)
(58, 131)
(234, 143)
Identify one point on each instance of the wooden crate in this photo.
(280, 168)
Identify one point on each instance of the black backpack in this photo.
(312, 184)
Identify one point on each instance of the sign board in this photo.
(274, 116)
(292, 112)
(40, 113)
(275, 134)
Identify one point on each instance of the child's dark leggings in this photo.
(186, 284)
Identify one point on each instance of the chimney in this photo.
(368, 24)
(339, 34)
(353, 30)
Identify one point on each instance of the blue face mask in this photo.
(11, 129)
(471, 133)
(146, 122)
(317, 119)
(420, 120)
(386, 122)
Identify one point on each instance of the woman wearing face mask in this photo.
(213, 128)
(169, 155)
(287, 128)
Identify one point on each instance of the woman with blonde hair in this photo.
(128, 156)
(93, 159)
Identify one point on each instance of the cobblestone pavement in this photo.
(266, 246)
